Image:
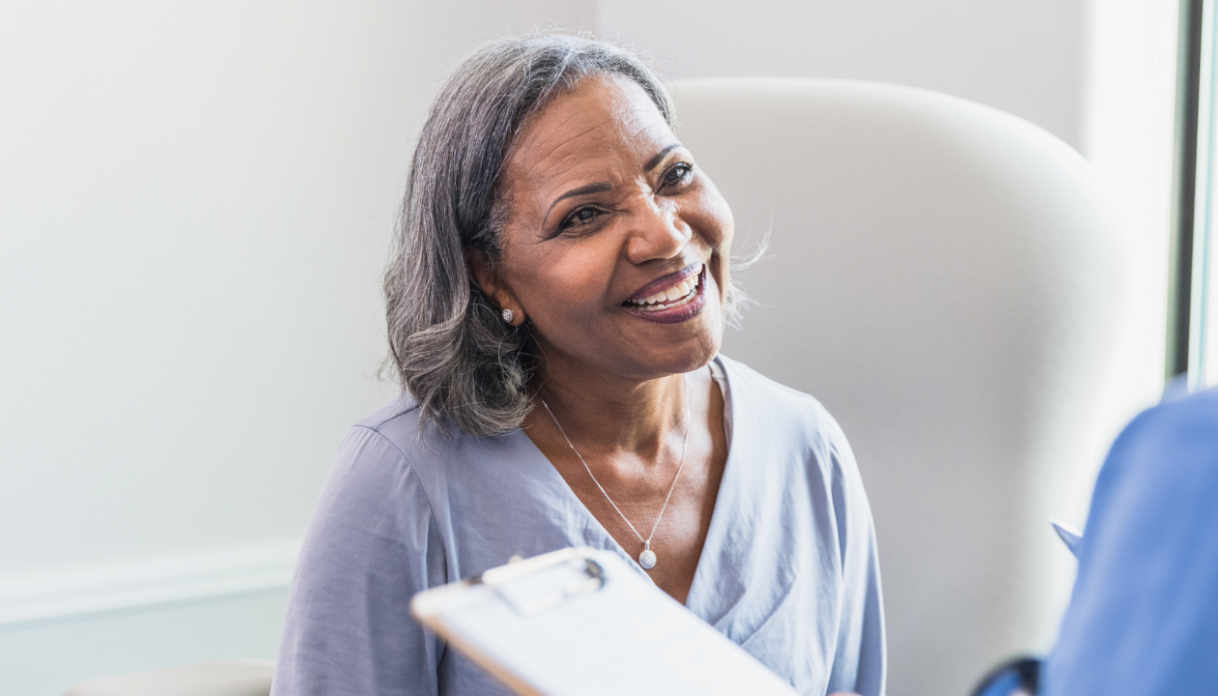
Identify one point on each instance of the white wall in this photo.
(1025, 56)
(195, 201)
(43, 659)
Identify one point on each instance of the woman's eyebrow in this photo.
(655, 161)
(606, 186)
(581, 191)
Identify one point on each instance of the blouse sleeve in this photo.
(860, 661)
(372, 544)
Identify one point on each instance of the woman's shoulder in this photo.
(403, 435)
(394, 447)
(776, 403)
(391, 455)
(397, 420)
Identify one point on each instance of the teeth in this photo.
(679, 291)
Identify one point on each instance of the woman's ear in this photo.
(486, 277)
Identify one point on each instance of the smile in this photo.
(679, 298)
(680, 293)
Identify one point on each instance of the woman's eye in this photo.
(582, 216)
(679, 174)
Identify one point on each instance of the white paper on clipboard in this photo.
(580, 622)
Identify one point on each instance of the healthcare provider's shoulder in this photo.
(1173, 445)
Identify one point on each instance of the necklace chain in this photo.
(647, 558)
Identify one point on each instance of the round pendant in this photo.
(647, 559)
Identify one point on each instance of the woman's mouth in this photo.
(677, 302)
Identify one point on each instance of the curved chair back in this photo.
(942, 277)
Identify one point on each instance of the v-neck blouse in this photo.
(788, 570)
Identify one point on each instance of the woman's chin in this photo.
(693, 353)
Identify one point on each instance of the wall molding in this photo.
(131, 586)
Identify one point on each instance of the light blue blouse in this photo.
(788, 571)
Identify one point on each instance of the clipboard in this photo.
(581, 622)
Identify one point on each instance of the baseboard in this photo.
(147, 584)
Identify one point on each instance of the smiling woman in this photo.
(560, 248)
(443, 330)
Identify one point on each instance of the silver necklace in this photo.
(647, 558)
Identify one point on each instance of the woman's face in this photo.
(616, 244)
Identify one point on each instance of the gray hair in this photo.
(448, 345)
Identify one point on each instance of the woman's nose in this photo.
(656, 233)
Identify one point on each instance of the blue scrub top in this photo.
(1144, 615)
(788, 570)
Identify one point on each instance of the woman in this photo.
(555, 312)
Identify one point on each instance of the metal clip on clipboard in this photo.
(544, 582)
(582, 622)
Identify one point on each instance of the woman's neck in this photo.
(606, 414)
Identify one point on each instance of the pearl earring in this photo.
(507, 316)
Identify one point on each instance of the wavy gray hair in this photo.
(448, 345)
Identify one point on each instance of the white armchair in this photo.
(942, 277)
